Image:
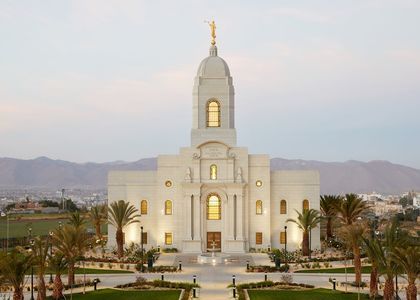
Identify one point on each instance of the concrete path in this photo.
(215, 279)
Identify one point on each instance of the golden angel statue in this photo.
(212, 25)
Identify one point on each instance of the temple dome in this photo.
(213, 65)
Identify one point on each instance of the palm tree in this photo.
(372, 247)
(352, 236)
(39, 255)
(122, 214)
(350, 208)
(13, 267)
(305, 221)
(409, 260)
(328, 204)
(77, 220)
(58, 263)
(98, 216)
(72, 242)
(387, 266)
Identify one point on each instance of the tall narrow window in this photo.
(213, 114)
(283, 207)
(258, 207)
(144, 238)
(283, 237)
(143, 207)
(305, 205)
(214, 207)
(168, 238)
(168, 207)
(213, 172)
(258, 238)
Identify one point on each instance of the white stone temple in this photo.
(214, 192)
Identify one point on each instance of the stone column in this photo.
(197, 216)
(230, 216)
(187, 201)
(240, 217)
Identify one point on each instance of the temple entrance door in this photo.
(214, 241)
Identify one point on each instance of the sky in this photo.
(102, 80)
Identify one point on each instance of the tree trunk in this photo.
(411, 291)
(57, 288)
(98, 230)
(120, 242)
(373, 287)
(42, 291)
(357, 265)
(389, 289)
(305, 243)
(18, 293)
(71, 273)
(329, 228)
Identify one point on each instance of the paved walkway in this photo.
(215, 279)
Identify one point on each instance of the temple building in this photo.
(214, 194)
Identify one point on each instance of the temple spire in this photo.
(212, 25)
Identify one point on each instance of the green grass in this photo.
(315, 294)
(127, 295)
(350, 270)
(93, 271)
(102, 271)
(19, 228)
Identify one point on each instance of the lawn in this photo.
(39, 227)
(315, 294)
(365, 269)
(101, 271)
(89, 271)
(128, 295)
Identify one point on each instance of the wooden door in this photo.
(216, 238)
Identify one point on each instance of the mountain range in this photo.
(336, 177)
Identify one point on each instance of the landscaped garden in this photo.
(365, 269)
(312, 294)
(128, 295)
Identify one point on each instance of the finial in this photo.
(212, 25)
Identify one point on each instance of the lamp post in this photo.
(285, 239)
(50, 234)
(142, 250)
(234, 286)
(31, 243)
(5, 214)
(396, 274)
(30, 233)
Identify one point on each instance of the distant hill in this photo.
(336, 177)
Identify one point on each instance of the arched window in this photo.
(143, 207)
(305, 205)
(258, 207)
(168, 207)
(213, 172)
(214, 207)
(283, 207)
(213, 114)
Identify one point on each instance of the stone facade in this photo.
(220, 196)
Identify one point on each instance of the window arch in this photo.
(214, 207)
(283, 207)
(305, 205)
(213, 113)
(143, 207)
(213, 172)
(258, 207)
(168, 207)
